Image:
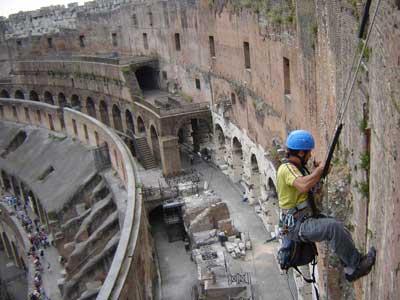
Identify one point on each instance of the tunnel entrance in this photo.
(147, 78)
(167, 219)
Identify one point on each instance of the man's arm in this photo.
(305, 183)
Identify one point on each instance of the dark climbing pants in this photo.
(338, 237)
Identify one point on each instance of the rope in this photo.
(346, 96)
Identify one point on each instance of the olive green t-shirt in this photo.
(288, 195)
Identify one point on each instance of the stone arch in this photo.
(33, 96)
(255, 180)
(90, 107)
(7, 245)
(117, 119)
(237, 160)
(196, 129)
(33, 203)
(140, 125)
(48, 98)
(104, 113)
(4, 94)
(130, 126)
(272, 188)
(147, 77)
(220, 144)
(6, 180)
(19, 94)
(62, 100)
(75, 102)
(15, 254)
(155, 144)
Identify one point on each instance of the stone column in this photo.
(170, 156)
(6, 243)
(2, 185)
(15, 255)
(21, 191)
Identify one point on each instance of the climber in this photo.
(294, 184)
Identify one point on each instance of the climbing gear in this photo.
(293, 254)
(331, 151)
(365, 266)
(300, 140)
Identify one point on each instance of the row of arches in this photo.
(231, 152)
(89, 106)
(11, 250)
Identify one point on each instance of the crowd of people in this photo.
(38, 243)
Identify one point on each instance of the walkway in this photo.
(268, 282)
(51, 268)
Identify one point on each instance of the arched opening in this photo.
(33, 96)
(62, 100)
(15, 185)
(4, 94)
(104, 113)
(7, 245)
(255, 180)
(147, 78)
(48, 98)
(141, 126)
(6, 181)
(155, 144)
(19, 94)
(130, 127)
(33, 204)
(75, 102)
(220, 146)
(90, 107)
(117, 118)
(194, 138)
(237, 160)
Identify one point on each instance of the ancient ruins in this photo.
(139, 144)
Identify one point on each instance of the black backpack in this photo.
(293, 254)
(296, 253)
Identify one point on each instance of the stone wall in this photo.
(319, 44)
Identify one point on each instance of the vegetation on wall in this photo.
(277, 12)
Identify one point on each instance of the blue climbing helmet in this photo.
(300, 140)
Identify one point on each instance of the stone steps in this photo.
(146, 156)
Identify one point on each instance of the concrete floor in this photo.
(268, 282)
(179, 273)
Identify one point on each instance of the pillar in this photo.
(6, 244)
(15, 254)
(170, 156)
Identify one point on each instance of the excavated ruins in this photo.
(139, 140)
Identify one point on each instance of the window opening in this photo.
(145, 42)
(286, 75)
(246, 48)
(74, 126)
(177, 42)
(46, 173)
(82, 41)
(114, 39)
(212, 45)
(51, 124)
(50, 42)
(198, 84)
